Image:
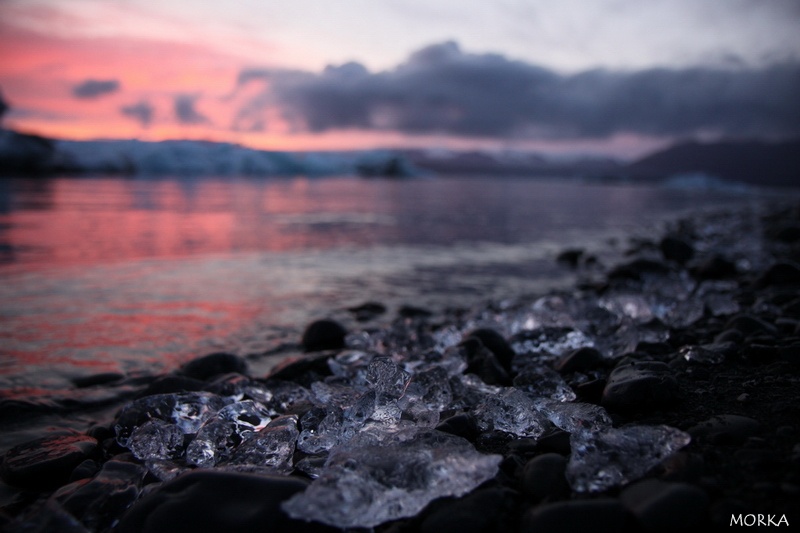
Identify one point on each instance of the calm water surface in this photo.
(135, 275)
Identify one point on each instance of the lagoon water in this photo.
(136, 275)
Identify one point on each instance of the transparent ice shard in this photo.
(156, 439)
(541, 382)
(629, 306)
(286, 395)
(511, 411)
(545, 345)
(604, 459)
(269, 450)
(380, 478)
(334, 391)
(430, 388)
(349, 363)
(575, 417)
(321, 430)
(683, 313)
(188, 411)
(446, 337)
(218, 437)
(386, 376)
(702, 354)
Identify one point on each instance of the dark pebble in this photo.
(598, 516)
(483, 363)
(750, 325)
(212, 365)
(367, 311)
(640, 386)
(729, 335)
(543, 478)
(682, 466)
(676, 249)
(725, 429)
(85, 470)
(323, 334)
(556, 441)
(496, 343)
(46, 462)
(715, 267)
(779, 274)
(638, 269)
(664, 507)
(483, 510)
(213, 501)
(580, 360)
(462, 425)
(410, 311)
(570, 257)
(173, 385)
(303, 370)
(97, 379)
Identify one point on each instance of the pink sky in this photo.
(195, 52)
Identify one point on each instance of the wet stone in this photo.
(676, 249)
(640, 385)
(97, 379)
(45, 462)
(212, 365)
(580, 360)
(323, 334)
(212, 500)
(664, 507)
(543, 478)
(725, 429)
(604, 515)
(496, 344)
(617, 456)
(367, 311)
(490, 509)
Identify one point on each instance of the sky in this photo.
(621, 77)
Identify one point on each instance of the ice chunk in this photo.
(270, 450)
(604, 459)
(431, 388)
(286, 395)
(545, 345)
(347, 364)
(511, 411)
(541, 382)
(386, 377)
(380, 478)
(702, 354)
(681, 314)
(218, 437)
(335, 391)
(630, 306)
(576, 417)
(156, 439)
(188, 411)
(321, 429)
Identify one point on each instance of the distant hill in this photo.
(752, 162)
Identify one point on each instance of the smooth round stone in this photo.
(579, 360)
(725, 429)
(662, 507)
(495, 343)
(605, 515)
(676, 249)
(211, 501)
(780, 274)
(212, 365)
(323, 334)
(46, 462)
(489, 509)
(97, 379)
(461, 425)
(543, 478)
(639, 386)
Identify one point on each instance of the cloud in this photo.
(441, 89)
(90, 89)
(185, 111)
(142, 111)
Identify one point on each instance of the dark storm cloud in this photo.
(185, 111)
(90, 89)
(441, 89)
(141, 111)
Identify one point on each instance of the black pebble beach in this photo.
(725, 371)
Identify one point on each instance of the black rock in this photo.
(304, 370)
(638, 269)
(481, 511)
(462, 425)
(750, 325)
(46, 462)
(555, 441)
(715, 267)
(496, 343)
(173, 385)
(367, 311)
(725, 429)
(640, 386)
(85, 470)
(676, 249)
(410, 311)
(580, 360)
(212, 365)
(662, 507)
(97, 379)
(325, 334)
(483, 363)
(779, 274)
(591, 391)
(570, 257)
(598, 516)
(212, 501)
(543, 478)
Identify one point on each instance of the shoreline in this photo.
(698, 331)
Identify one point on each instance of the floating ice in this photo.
(269, 450)
(511, 411)
(156, 439)
(218, 437)
(188, 411)
(604, 459)
(386, 476)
